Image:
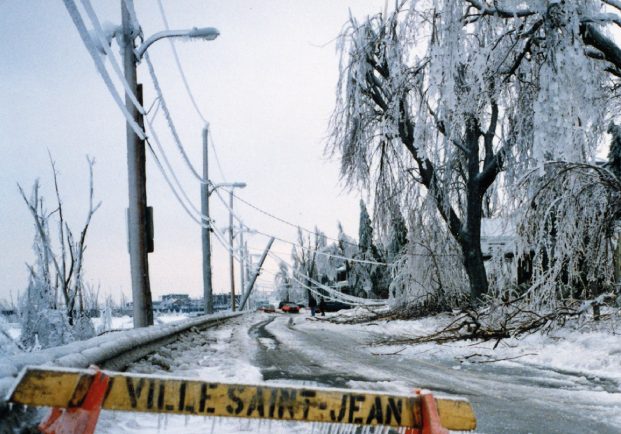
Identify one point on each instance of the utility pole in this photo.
(242, 258)
(257, 271)
(206, 229)
(137, 212)
(231, 251)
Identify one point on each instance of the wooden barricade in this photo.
(71, 388)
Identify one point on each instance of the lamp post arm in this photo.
(208, 33)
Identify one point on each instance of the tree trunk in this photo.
(473, 263)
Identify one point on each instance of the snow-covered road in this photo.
(509, 397)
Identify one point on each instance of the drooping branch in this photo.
(609, 49)
(499, 11)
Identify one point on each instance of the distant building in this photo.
(498, 236)
(173, 303)
(167, 297)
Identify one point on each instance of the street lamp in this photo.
(206, 33)
(137, 212)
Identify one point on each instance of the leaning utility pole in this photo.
(206, 228)
(137, 212)
(257, 271)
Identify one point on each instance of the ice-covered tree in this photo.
(367, 276)
(456, 99)
(397, 234)
(304, 262)
(568, 226)
(53, 306)
(283, 282)
(614, 152)
(365, 231)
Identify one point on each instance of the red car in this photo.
(290, 308)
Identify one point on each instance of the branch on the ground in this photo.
(486, 324)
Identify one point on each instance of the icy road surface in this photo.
(508, 397)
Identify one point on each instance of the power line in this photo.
(74, 13)
(319, 252)
(188, 89)
(111, 57)
(91, 47)
(169, 120)
(172, 188)
(310, 249)
(206, 222)
(215, 153)
(181, 72)
(262, 211)
(172, 172)
(345, 298)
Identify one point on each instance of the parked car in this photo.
(290, 308)
(334, 306)
(266, 307)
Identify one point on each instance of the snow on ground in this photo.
(226, 354)
(11, 331)
(127, 322)
(223, 354)
(590, 351)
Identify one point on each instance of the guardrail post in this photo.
(82, 418)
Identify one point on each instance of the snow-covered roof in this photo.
(498, 236)
(497, 227)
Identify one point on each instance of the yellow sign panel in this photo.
(128, 392)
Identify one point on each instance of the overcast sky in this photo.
(266, 85)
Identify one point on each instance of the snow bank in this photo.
(101, 349)
(593, 353)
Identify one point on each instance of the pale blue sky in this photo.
(267, 86)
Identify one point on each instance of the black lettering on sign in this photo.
(286, 401)
(232, 394)
(307, 394)
(353, 408)
(182, 387)
(394, 409)
(272, 406)
(161, 396)
(256, 403)
(150, 394)
(341, 414)
(204, 397)
(376, 414)
(134, 392)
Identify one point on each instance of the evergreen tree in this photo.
(397, 235)
(365, 230)
(614, 154)
(367, 278)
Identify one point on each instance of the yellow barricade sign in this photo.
(66, 388)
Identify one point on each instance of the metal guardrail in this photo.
(110, 351)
